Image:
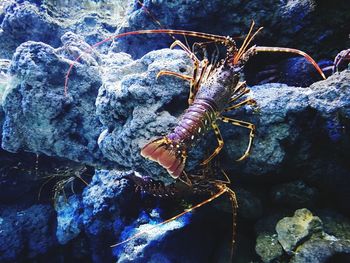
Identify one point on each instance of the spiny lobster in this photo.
(214, 89)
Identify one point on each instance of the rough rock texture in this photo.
(268, 247)
(68, 212)
(292, 230)
(298, 24)
(135, 107)
(26, 233)
(305, 238)
(48, 22)
(39, 117)
(323, 250)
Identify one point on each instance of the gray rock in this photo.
(135, 107)
(268, 247)
(322, 251)
(335, 224)
(293, 230)
(132, 107)
(234, 18)
(40, 118)
(295, 194)
(48, 21)
(290, 123)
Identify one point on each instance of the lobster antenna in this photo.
(222, 191)
(294, 51)
(155, 20)
(246, 38)
(246, 43)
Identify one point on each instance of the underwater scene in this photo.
(175, 131)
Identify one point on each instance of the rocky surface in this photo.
(289, 23)
(26, 233)
(292, 230)
(39, 117)
(115, 104)
(305, 238)
(47, 22)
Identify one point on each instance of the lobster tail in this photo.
(167, 153)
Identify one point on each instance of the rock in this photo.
(26, 233)
(268, 247)
(305, 237)
(47, 22)
(293, 230)
(139, 249)
(68, 218)
(4, 76)
(234, 19)
(135, 107)
(295, 194)
(38, 27)
(106, 202)
(322, 251)
(250, 206)
(335, 224)
(290, 124)
(40, 118)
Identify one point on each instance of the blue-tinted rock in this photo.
(40, 118)
(26, 233)
(68, 218)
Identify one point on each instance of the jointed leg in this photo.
(175, 74)
(234, 204)
(246, 125)
(245, 102)
(221, 192)
(220, 141)
(186, 49)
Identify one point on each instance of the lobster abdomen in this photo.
(171, 151)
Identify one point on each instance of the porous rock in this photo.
(292, 230)
(39, 117)
(47, 22)
(26, 233)
(322, 251)
(268, 247)
(286, 23)
(68, 221)
(134, 106)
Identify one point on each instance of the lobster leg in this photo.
(221, 192)
(246, 125)
(175, 74)
(194, 82)
(234, 204)
(220, 141)
(245, 102)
